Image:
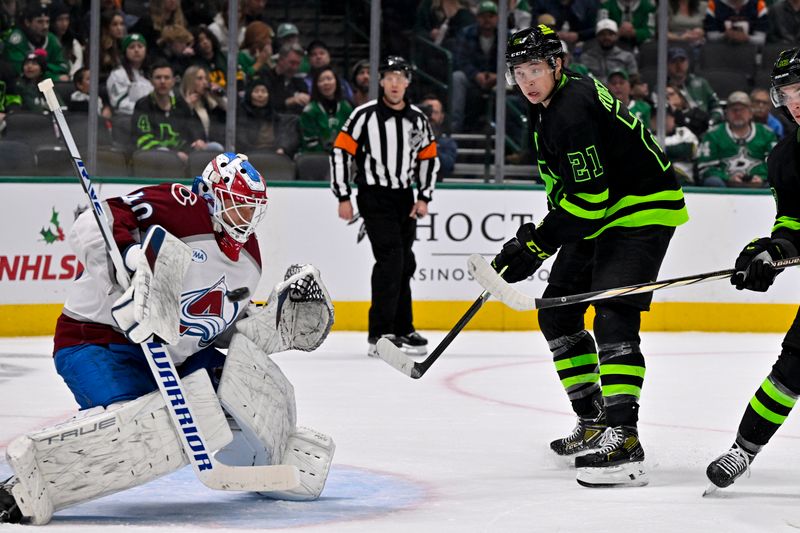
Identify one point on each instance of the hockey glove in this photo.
(151, 305)
(753, 271)
(523, 254)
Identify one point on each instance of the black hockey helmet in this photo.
(395, 63)
(537, 43)
(786, 71)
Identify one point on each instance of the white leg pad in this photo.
(311, 452)
(255, 392)
(103, 451)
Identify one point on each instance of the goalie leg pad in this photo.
(311, 452)
(103, 451)
(260, 398)
(298, 314)
(151, 305)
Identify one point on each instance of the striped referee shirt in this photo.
(391, 149)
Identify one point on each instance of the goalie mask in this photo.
(236, 194)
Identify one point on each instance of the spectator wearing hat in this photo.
(475, 66)
(161, 13)
(325, 114)
(734, 153)
(256, 51)
(736, 21)
(619, 83)
(70, 42)
(319, 56)
(636, 19)
(784, 22)
(574, 19)
(128, 83)
(604, 56)
(441, 21)
(359, 81)
(680, 145)
(33, 68)
(288, 33)
(33, 34)
(695, 89)
(288, 92)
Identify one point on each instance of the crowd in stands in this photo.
(163, 73)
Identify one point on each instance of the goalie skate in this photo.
(619, 461)
(9, 510)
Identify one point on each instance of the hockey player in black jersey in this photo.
(776, 396)
(613, 205)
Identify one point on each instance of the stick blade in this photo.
(396, 358)
(490, 280)
(251, 478)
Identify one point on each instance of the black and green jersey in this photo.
(154, 128)
(783, 171)
(601, 166)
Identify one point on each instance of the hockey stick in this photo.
(492, 282)
(396, 358)
(211, 473)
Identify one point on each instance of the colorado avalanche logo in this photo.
(206, 313)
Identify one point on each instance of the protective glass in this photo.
(238, 214)
(786, 95)
(525, 72)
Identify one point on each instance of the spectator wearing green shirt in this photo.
(325, 114)
(734, 154)
(636, 19)
(619, 83)
(32, 35)
(695, 89)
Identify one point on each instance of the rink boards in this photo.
(36, 263)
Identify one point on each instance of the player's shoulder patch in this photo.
(183, 194)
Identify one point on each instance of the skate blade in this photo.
(711, 489)
(626, 475)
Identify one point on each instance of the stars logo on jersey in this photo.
(207, 312)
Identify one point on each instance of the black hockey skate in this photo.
(585, 437)
(618, 461)
(9, 510)
(727, 468)
(414, 344)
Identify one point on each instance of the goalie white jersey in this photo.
(206, 312)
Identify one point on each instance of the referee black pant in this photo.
(391, 233)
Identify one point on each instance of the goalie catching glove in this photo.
(151, 305)
(522, 255)
(298, 314)
(753, 271)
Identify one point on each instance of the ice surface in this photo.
(465, 448)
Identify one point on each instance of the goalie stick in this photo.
(210, 472)
(503, 291)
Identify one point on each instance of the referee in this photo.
(391, 144)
